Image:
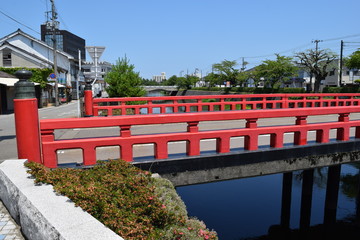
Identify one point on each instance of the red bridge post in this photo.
(88, 100)
(26, 118)
(300, 137)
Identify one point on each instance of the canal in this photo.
(252, 208)
(279, 206)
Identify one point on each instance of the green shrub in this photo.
(40, 75)
(291, 90)
(126, 199)
(332, 90)
(345, 89)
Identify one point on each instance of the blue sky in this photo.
(173, 36)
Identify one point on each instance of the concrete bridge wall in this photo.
(203, 169)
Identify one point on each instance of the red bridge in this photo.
(300, 109)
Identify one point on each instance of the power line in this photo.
(339, 38)
(6, 15)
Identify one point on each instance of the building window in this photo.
(7, 58)
(59, 41)
(332, 73)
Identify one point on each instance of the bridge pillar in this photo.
(49, 157)
(193, 145)
(161, 150)
(251, 141)
(126, 151)
(88, 100)
(300, 137)
(277, 140)
(223, 145)
(26, 118)
(343, 133)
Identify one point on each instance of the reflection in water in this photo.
(309, 204)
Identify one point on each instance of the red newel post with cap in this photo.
(26, 118)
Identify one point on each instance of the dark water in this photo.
(247, 208)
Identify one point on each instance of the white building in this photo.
(159, 78)
(96, 75)
(20, 49)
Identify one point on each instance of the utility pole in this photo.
(243, 65)
(317, 55)
(316, 44)
(54, 27)
(77, 85)
(341, 62)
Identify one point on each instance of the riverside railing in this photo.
(192, 135)
(175, 104)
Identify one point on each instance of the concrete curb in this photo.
(41, 213)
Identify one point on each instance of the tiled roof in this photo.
(6, 75)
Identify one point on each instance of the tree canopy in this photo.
(353, 62)
(186, 82)
(227, 71)
(212, 79)
(317, 63)
(40, 75)
(123, 80)
(171, 81)
(275, 71)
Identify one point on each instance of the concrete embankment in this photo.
(41, 213)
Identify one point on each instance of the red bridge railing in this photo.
(175, 104)
(38, 144)
(192, 135)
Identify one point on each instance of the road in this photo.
(8, 148)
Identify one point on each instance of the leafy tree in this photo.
(276, 71)
(317, 63)
(172, 81)
(242, 78)
(353, 62)
(212, 79)
(123, 80)
(186, 82)
(150, 82)
(255, 76)
(40, 75)
(227, 71)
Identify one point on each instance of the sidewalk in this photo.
(9, 230)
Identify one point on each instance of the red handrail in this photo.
(174, 104)
(192, 135)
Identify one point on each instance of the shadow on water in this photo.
(317, 204)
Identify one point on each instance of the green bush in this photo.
(40, 75)
(126, 199)
(291, 90)
(345, 89)
(332, 90)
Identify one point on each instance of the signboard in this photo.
(52, 77)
